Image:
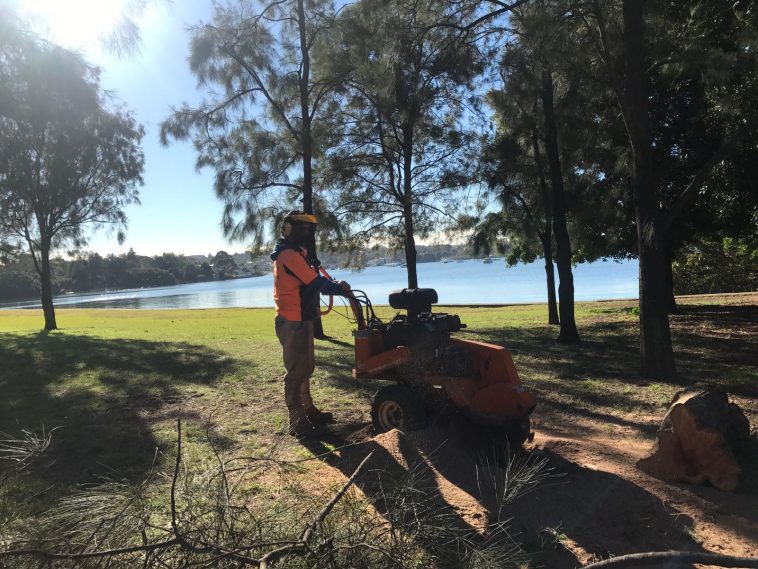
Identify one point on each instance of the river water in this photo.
(463, 282)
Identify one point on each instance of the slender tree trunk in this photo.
(307, 145)
(305, 116)
(552, 306)
(568, 332)
(410, 240)
(410, 245)
(655, 335)
(547, 235)
(47, 286)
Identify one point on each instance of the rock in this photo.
(696, 438)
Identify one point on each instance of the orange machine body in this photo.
(492, 393)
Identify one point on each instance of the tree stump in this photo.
(696, 438)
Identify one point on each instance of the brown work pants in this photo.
(296, 338)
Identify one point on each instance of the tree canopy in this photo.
(260, 132)
(403, 136)
(68, 161)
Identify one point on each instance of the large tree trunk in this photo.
(669, 277)
(47, 286)
(547, 235)
(568, 333)
(655, 335)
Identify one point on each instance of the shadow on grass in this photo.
(711, 343)
(98, 393)
(337, 361)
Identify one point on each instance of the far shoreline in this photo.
(749, 297)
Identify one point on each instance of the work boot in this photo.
(300, 426)
(319, 417)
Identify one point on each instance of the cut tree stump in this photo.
(696, 438)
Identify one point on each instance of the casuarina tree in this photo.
(258, 126)
(405, 122)
(68, 162)
(537, 86)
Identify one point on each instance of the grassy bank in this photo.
(113, 382)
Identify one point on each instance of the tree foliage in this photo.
(68, 162)
(91, 272)
(403, 137)
(258, 127)
(717, 265)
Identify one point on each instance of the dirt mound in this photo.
(430, 454)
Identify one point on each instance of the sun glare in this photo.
(75, 23)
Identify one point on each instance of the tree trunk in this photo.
(307, 145)
(568, 332)
(410, 246)
(552, 306)
(47, 286)
(410, 241)
(305, 115)
(669, 277)
(547, 235)
(655, 335)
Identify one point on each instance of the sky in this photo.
(179, 212)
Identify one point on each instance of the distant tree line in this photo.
(92, 272)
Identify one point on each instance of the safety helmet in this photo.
(297, 217)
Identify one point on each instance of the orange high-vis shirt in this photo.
(294, 299)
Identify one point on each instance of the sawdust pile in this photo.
(449, 469)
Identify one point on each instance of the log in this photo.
(696, 439)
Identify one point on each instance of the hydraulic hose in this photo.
(330, 304)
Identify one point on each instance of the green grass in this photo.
(113, 382)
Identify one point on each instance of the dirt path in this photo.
(595, 505)
(629, 511)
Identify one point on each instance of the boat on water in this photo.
(445, 260)
(487, 260)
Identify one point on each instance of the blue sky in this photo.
(179, 211)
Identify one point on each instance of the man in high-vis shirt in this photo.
(297, 289)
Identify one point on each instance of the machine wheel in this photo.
(397, 407)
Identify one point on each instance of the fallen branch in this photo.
(302, 545)
(679, 557)
(180, 541)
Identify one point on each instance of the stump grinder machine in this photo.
(434, 373)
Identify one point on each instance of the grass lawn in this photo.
(113, 382)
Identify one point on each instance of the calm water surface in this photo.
(466, 282)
